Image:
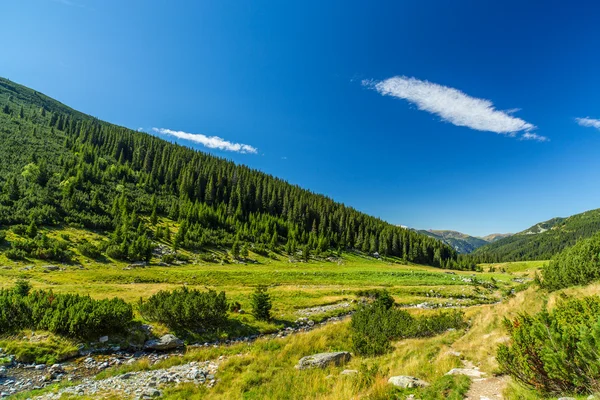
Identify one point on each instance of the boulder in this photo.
(3, 372)
(407, 382)
(323, 360)
(167, 342)
(51, 267)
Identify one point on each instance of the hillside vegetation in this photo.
(62, 167)
(541, 241)
(461, 242)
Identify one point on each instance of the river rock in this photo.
(323, 360)
(407, 382)
(167, 342)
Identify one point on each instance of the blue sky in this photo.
(432, 114)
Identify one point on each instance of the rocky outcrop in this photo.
(323, 360)
(403, 381)
(166, 342)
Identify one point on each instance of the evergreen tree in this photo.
(261, 304)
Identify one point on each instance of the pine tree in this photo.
(235, 249)
(261, 304)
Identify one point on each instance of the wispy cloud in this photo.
(588, 122)
(534, 136)
(212, 142)
(69, 3)
(455, 107)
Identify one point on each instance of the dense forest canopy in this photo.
(60, 166)
(542, 241)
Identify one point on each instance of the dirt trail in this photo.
(482, 388)
(487, 388)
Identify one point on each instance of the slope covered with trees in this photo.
(461, 242)
(542, 241)
(64, 167)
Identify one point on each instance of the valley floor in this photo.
(264, 368)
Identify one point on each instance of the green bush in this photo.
(186, 309)
(577, 265)
(374, 325)
(42, 247)
(89, 250)
(65, 314)
(556, 352)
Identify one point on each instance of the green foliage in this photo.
(65, 167)
(577, 265)
(89, 250)
(542, 241)
(65, 314)
(186, 309)
(42, 247)
(22, 287)
(261, 303)
(556, 352)
(374, 325)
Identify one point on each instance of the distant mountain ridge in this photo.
(542, 240)
(462, 242)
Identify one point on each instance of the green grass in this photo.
(39, 348)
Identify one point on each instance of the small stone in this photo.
(349, 372)
(407, 382)
(103, 339)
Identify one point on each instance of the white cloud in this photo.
(212, 142)
(454, 106)
(588, 122)
(534, 136)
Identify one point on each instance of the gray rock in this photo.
(2, 372)
(407, 382)
(103, 339)
(567, 398)
(167, 342)
(323, 360)
(349, 372)
(51, 267)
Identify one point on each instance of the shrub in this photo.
(577, 265)
(89, 250)
(556, 352)
(374, 325)
(22, 287)
(168, 258)
(261, 304)
(19, 229)
(15, 254)
(186, 309)
(114, 252)
(64, 314)
(42, 247)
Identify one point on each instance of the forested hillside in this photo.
(60, 166)
(461, 242)
(541, 241)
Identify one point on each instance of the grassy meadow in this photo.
(264, 369)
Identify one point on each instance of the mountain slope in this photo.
(64, 167)
(543, 240)
(460, 242)
(491, 238)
